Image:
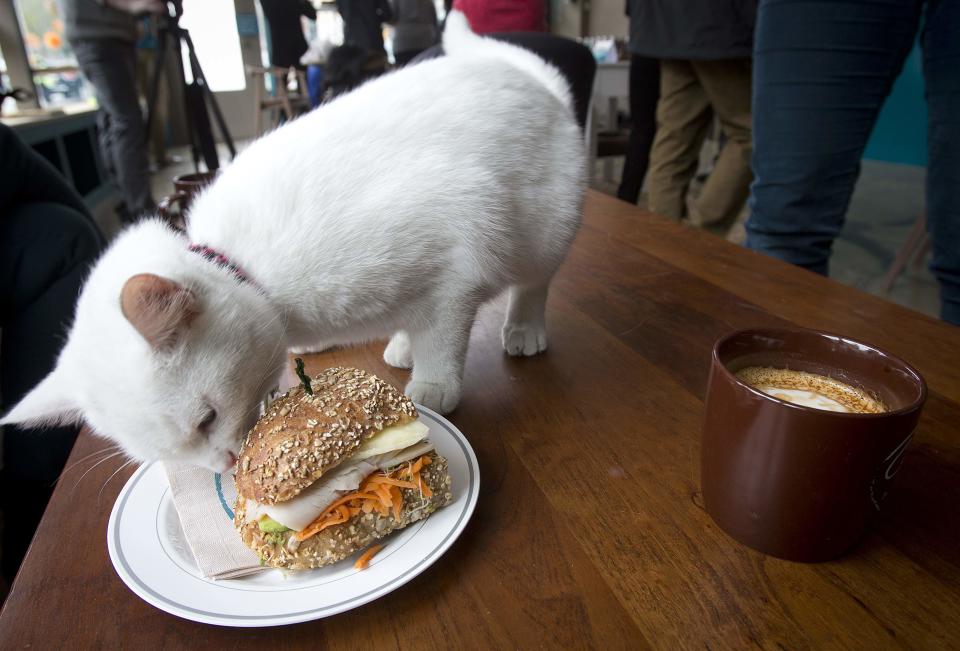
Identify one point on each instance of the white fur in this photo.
(394, 210)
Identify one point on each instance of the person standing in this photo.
(287, 42)
(821, 77)
(492, 16)
(644, 93)
(146, 64)
(414, 28)
(704, 54)
(103, 35)
(363, 23)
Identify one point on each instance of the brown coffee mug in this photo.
(186, 187)
(793, 481)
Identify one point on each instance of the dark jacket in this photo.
(89, 19)
(363, 22)
(414, 26)
(28, 177)
(287, 43)
(692, 29)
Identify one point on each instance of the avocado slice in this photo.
(269, 525)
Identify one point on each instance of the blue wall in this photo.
(900, 135)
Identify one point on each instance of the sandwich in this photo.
(333, 466)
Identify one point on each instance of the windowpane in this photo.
(7, 105)
(212, 26)
(61, 88)
(42, 29)
(48, 48)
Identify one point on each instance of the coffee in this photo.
(810, 390)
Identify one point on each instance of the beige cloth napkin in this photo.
(204, 502)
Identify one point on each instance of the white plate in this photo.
(148, 550)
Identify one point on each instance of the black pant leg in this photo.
(644, 93)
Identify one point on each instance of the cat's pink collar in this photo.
(218, 258)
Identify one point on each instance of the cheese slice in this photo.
(391, 446)
(303, 509)
(391, 459)
(393, 438)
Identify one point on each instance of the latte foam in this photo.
(810, 390)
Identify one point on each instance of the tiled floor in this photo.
(887, 201)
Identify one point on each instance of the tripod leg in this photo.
(208, 94)
(185, 89)
(201, 125)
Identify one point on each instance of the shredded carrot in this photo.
(384, 494)
(364, 559)
(397, 502)
(380, 491)
(425, 489)
(421, 462)
(381, 479)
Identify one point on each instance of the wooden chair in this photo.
(283, 101)
(914, 250)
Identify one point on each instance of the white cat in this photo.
(395, 210)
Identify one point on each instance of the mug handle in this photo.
(175, 219)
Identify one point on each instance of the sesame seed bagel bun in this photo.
(341, 540)
(301, 436)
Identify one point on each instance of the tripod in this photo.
(196, 95)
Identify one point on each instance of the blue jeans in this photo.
(110, 65)
(822, 70)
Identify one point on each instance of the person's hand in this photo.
(138, 6)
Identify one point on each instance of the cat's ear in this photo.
(160, 309)
(49, 403)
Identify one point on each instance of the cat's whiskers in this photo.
(76, 463)
(267, 324)
(106, 458)
(122, 466)
(285, 320)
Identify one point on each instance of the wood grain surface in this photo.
(590, 530)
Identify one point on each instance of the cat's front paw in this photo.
(442, 398)
(524, 339)
(397, 353)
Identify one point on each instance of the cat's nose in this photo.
(229, 461)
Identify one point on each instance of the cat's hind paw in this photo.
(397, 353)
(442, 398)
(521, 339)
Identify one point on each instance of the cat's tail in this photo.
(460, 41)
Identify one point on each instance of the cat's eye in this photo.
(208, 419)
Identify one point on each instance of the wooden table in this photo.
(590, 530)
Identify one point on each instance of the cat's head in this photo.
(165, 357)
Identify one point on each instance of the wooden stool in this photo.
(283, 101)
(914, 249)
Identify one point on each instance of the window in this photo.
(52, 64)
(212, 27)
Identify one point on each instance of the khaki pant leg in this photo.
(727, 86)
(683, 114)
